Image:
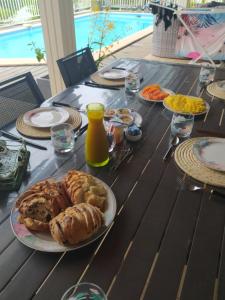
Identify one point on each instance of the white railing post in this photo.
(59, 35)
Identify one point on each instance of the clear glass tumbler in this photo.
(207, 73)
(181, 125)
(132, 82)
(62, 137)
(84, 291)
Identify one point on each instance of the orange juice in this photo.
(96, 144)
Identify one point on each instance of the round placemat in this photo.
(213, 90)
(44, 133)
(98, 79)
(187, 161)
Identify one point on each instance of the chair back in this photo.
(18, 95)
(77, 66)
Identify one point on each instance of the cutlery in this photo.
(55, 103)
(80, 131)
(118, 68)
(211, 133)
(194, 188)
(101, 86)
(19, 139)
(127, 154)
(175, 141)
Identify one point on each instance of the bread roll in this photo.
(39, 204)
(76, 224)
(83, 188)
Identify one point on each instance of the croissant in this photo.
(76, 224)
(42, 202)
(82, 187)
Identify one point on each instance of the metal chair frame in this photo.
(26, 77)
(14, 97)
(72, 70)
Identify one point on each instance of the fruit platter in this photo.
(184, 104)
(154, 93)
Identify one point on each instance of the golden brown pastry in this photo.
(39, 204)
(76, 224)
(82, 187)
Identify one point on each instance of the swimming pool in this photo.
(15, 44)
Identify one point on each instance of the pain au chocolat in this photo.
(76, 224)
(42, 202)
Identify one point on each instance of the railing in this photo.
(81, 4)
(124, 4)
(19, 11)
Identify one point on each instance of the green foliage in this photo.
(99, 32)
(39, 53)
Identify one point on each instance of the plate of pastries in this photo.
(61, 215)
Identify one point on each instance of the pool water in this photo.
(15, 44)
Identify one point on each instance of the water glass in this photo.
(132, 82)
(62, 137)
(84, 291)
(182, 125)
(207, 73)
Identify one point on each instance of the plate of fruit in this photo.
(187, 105)
(154, 93)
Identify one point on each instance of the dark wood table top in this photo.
(165, 243)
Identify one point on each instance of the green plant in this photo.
(99, 32)
(39, 52)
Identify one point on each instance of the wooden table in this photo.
(165, 242)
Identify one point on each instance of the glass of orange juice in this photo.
(96, 144)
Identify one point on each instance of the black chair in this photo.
(77, 66)
(18, 95)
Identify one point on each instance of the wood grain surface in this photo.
(166, 243)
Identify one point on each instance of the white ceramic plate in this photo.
(211, 152)
(137, 118)
(113, 74)
(152, 100)
(46, 117)
(44, 241)
(183, 113)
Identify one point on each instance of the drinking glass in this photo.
(62, 137)
(182, 125)
(84, 291)
(207, 73)
(132, 82)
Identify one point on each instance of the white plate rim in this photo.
(137, 118)
(122, 76)
(153, 100)
(109, 216)
(193, 114)
(64, 112)
(198, 145)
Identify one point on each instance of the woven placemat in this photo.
(213, 90)
(98, 79)
(44, 133)
(187, 161)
